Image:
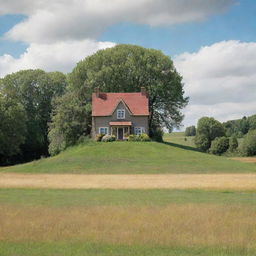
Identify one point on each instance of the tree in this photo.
(12, 129)
(219, 145)
(34, 90)
(233, 144)
(190, 131)
(248, 147)
(207, 130)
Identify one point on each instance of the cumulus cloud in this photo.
(60, 56)
(49, 21)
(220, 80)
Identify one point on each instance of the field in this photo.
(153, 199)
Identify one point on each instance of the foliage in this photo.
(139, 137)
(190, 131)
(68, 124)
(108, 138)
(248, 147)
(34, 90)
(207, 130)
(99, 136)
(157, 135)
(127, 68)
(202, 142)
(240, 127)
(219, 145)
(12, 129)
(233, 144)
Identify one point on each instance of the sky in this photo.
(211, 42)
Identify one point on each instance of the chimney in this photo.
(97, 92)
(143, 91)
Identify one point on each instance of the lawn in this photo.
(173, 156)
(37, 222)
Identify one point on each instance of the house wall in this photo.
(103, 121)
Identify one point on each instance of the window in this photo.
(120, 114)
(103, 130)
(139, 130)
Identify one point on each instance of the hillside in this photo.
(134, 157)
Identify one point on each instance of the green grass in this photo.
(99, 249)
(137, 197)
(134, 157)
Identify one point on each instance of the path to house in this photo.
(140, 181)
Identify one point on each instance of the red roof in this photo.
(120, 123)
(105, 104)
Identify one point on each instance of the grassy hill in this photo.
(174, 156)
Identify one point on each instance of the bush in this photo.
(158, 135)
(248, 147)
(190, 131)
(233, 144)
(219, 145)
(99, 137)
(202, 142)
(108, 138)
(141, 137)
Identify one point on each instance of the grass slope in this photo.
(173, 156)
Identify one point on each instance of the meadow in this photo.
(208, 220)
(175, 155)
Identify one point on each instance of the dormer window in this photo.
(120, 114)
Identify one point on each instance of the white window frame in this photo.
(106, 129)
(141, 130)
(122, 110)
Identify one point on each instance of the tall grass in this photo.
(182, 225)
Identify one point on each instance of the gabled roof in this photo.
(106, 103)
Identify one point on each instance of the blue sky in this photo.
(212, 43)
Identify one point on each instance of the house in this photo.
(120, 114)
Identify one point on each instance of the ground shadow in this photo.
(181, 146)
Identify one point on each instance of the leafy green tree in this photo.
(69, 122)
(219, 145)
(34, 90)
(190, 131)
(207, 130)
(248, 147)
(252, 122)
(233, 144)
(127, 68)
(12, 129)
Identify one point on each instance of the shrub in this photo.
(99, 137)
(202, 142)
(158, 135)
(248, 147)
(233, 144)
(108, 138)
(141, 137)
(219, 145)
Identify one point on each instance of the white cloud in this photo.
(53, 20)
(220, 80)
(60, 56)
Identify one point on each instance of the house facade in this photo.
(119, 114)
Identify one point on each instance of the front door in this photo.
(120, 133)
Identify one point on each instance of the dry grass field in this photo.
(211, 225)
(115, 181)
(245, 159)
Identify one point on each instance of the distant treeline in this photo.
(240, 127)
(218, 138)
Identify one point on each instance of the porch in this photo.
(120, 129)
